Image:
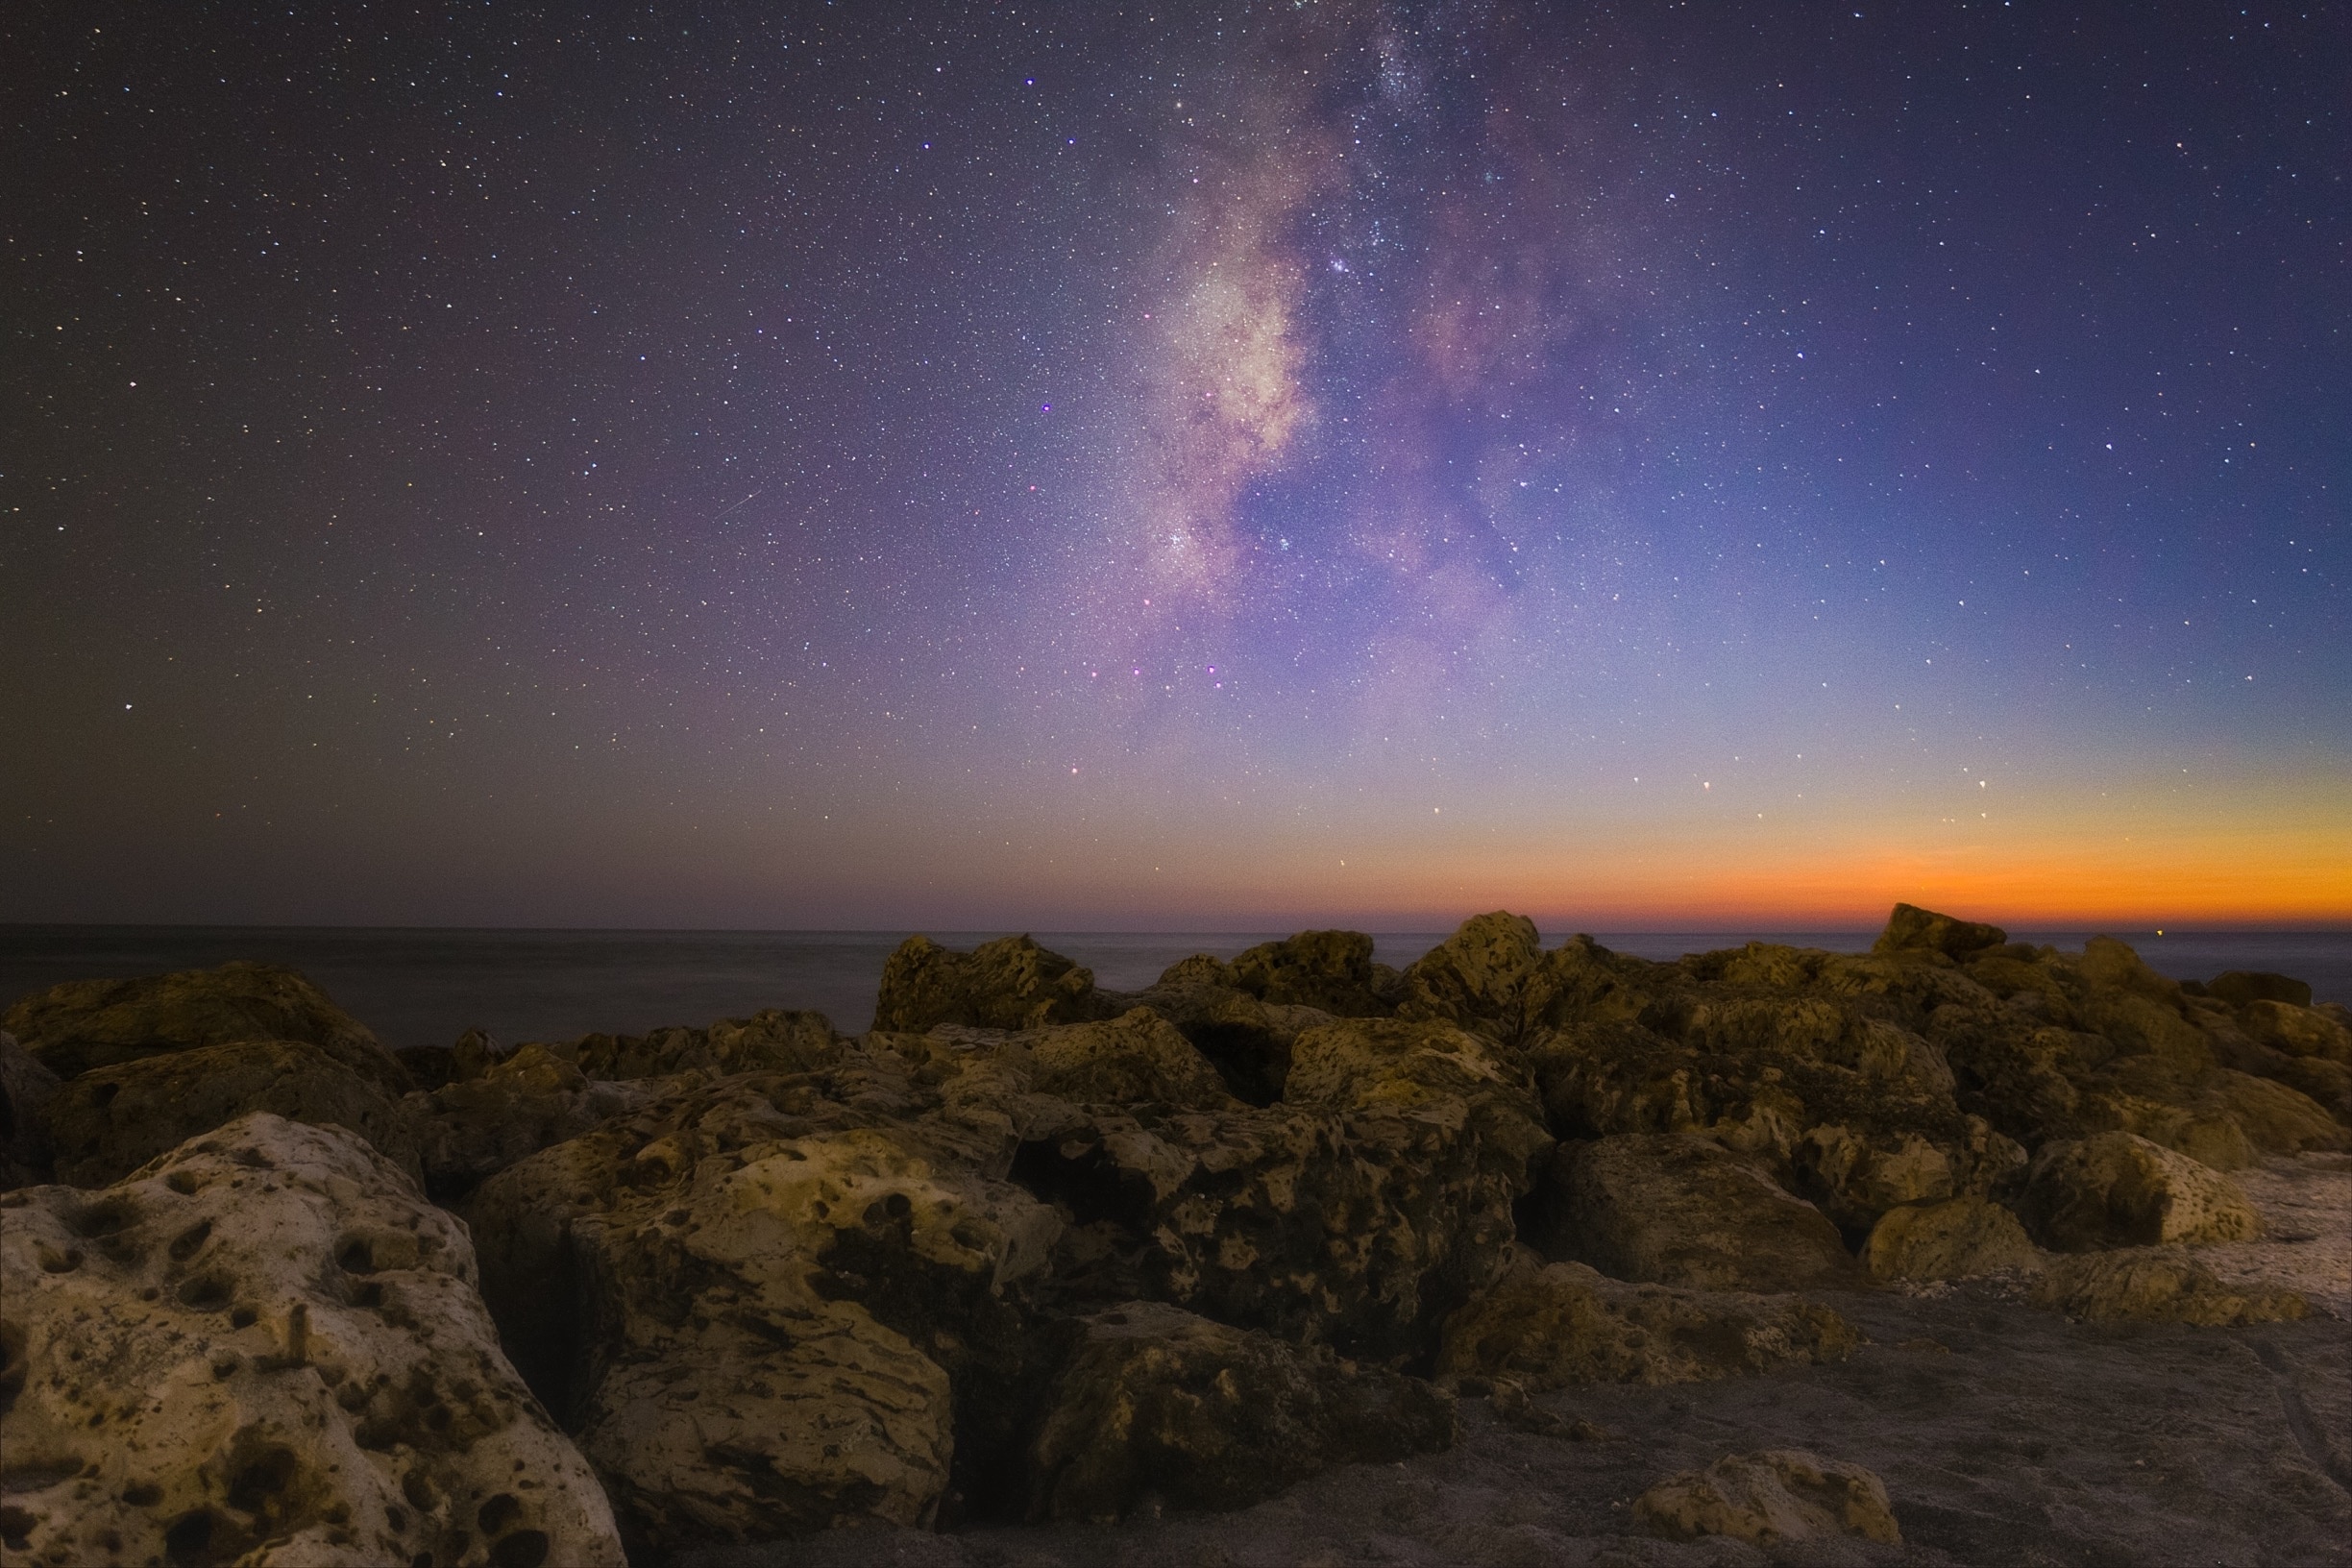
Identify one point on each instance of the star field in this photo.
(841, 465)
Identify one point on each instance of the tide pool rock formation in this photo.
(1158, 1403)
(1771, 1498)
(1545, 1327)
(110, 1120)
(97, 1023)
(267, 1347)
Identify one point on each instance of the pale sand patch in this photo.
(2305, 1203)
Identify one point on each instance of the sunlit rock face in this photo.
(266, 1346)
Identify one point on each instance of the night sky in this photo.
(1065, 465)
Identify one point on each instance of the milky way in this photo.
(994, 466)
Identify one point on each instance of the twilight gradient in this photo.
(851, 466)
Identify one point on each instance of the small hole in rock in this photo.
(188, 1536)
(184, 1245)
(205, 1293)
(142, 1494)
(523, 1548)
(244, 1317)
(497, 1513)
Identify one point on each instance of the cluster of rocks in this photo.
(1029, 1249)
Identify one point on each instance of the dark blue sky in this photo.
(841, 465)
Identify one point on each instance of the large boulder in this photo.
(266, 1347)
(1955, 1240)
(469, 1130)
(26, 1088)
(82, 1024)
(1361, 1211)
(110, 1120)
(1138, 1060)
(1247, 1038)
(2156, 1284)
(2240, 986)
(1774, 1498)
(1666, 1209)
(1011, 983)
(1156, 1403)
(1332, 972)
(1487, 977)
(1847, 1109)
(1542, 1327)
(768, 1302)
(2118, 1189)
(1911, 929)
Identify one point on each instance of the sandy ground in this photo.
(2005, 1435)
(2306, 1202)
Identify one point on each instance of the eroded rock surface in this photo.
(1770, 1498)
(1669, 1208)
(1011, 983)
(1156, 1403)
(97, 1023)
(267, 1348)
(2156, 1284)
(1545, 1327)
(1954, 1239)
(755, 1298)
(26, 1088)
(475, 1127)
(2120, 1189)
(109, 1121)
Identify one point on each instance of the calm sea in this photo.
(425, 987)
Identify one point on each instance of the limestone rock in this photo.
(1138, 1059)
(767, 1308)
(1768, 1498)
(1666, 1209)
(1011, 983)
(1485, 977)
(82, 1024)
(1154, 1401)
(1246, 1039)
(1328, 970)
(470, 1130)
(1847, 1110)
(1912, 929)
(1955, 1240)
(773, 1040)
(2120, 1189)
(2156, 1284)
(26, 1088)
(2240, 986)
(267, 1348)
(1361, 1211)
(2299, 1031)
(110, 1120)
(1543, 1327)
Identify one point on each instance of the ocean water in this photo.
(421, 986)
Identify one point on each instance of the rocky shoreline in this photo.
(1958, 1250)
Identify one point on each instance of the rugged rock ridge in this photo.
(1032, 1248)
